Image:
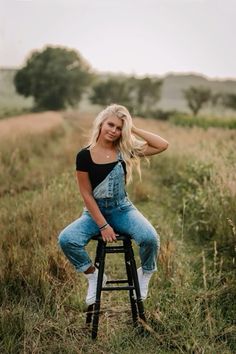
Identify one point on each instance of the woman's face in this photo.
(111, 129)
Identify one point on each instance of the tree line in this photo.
(57, 77)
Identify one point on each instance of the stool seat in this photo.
(132, 286)
(118, 237)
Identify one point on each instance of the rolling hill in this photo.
(172, 97)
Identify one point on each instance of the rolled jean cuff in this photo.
(148, 271)
(84, 267)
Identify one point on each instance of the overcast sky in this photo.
(131, 36)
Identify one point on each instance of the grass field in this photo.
(188, 193)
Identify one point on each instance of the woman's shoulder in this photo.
(83, 159)
(84, 152)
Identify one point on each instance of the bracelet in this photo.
(104, 226)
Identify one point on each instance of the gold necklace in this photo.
(108, 156)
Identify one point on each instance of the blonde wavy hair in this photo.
(129, 146)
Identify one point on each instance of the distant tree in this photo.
(229, 100)
(216, 99)
(196, 97)
(146, 94)
(110, 91)
(56, 77)
(138, 95)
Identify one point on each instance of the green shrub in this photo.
(202, 122)
(205, 208)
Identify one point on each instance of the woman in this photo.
(103, 168)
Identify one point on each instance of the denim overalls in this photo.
(122, 216)
(113, 186)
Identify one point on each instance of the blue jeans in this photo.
(123, 217)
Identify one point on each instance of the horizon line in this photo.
(168, 73)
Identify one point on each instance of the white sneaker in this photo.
(143, 279)
(92, 286)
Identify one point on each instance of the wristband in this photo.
(103, 227)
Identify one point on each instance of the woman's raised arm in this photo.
(155, 143)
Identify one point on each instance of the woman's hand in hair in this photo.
(108, 234)
(134, 129)
(155, 143)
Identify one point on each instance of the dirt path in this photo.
(29, 123)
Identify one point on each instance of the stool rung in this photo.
(117, 281)
(110, 288)
(115, 250)
(114, 247)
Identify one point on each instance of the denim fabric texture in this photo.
(123, 217)
(109, 188)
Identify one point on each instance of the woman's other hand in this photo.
(108, 234)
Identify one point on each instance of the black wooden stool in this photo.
(137, 307)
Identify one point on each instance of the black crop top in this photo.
(97, 172)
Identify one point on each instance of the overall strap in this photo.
(119, 156)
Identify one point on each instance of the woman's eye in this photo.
(112, 125)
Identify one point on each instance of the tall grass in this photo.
(191, 305)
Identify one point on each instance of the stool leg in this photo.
(90, 311)
(98, 253)
(99, 290)
(131, 292)
(135, 280)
